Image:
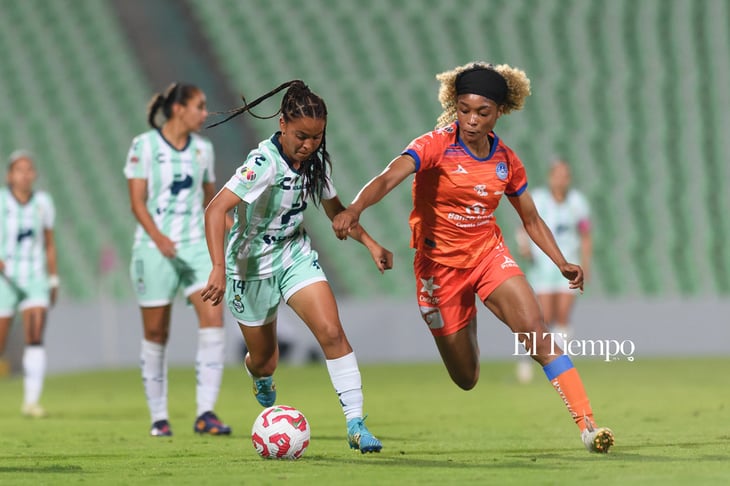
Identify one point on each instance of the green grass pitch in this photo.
(671, 419)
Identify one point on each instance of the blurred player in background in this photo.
(28, 273)
(269, 255)
(566, 212)
(462, 169)
(170, 176)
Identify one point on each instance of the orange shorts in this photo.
(446, 295)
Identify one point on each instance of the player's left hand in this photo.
(216, 288)
(383, 258)
(574, 274)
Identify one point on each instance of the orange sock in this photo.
(566, 381)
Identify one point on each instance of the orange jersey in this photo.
(455, 195)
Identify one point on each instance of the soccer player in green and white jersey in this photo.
(170, 177)
(269, 256)
(566, 212)
(28, 276)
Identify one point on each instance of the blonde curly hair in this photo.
(518, 88)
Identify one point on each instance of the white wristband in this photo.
(54, 281)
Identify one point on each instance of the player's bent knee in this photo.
(465, 381)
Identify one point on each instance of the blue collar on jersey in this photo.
(187, 144)
(277, 144)
(494, 142)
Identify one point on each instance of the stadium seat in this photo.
(633, 94)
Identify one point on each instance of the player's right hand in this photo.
(166, 246)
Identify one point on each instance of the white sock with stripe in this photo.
(345, 376)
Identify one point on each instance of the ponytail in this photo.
(175, 93)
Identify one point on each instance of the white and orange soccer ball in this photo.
(280, 432)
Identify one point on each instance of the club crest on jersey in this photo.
(502, 171)
(237, 303)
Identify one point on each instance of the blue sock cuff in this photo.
(557, 366)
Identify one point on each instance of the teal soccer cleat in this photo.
(265, 391)
(359, 437)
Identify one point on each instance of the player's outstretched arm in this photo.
(375, 190)
(382, 257)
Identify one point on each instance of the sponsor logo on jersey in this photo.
(502, 171)
(476, 209)
(432, 317)
(481, 190)
(429, 286)
(459, 170)
(179, 184)
(508, 263)
(26, 233)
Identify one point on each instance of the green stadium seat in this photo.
(71, 106)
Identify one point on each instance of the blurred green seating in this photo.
(74, 97)
(633, 94)
(615, 86)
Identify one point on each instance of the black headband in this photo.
(483, 82)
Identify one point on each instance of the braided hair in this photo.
(298, 102)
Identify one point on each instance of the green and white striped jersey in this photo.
(565, 220)
(273, 234)
(22, 238)
(174, 184)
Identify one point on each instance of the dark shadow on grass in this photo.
(52, 469)
(402, 460)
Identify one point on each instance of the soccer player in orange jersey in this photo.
(462, 169)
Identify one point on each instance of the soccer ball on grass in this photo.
(280, 432)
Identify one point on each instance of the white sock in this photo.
(154, 378)
(34, 370)
(209, 367)
(345, 376)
